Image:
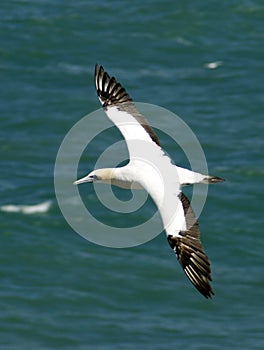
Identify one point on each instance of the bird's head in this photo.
(99, 175)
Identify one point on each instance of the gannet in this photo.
(151, 168)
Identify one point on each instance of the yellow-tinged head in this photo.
(99, 175)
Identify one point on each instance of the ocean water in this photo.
(202, 61)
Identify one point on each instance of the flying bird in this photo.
(151, 168)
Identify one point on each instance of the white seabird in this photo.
(150, 168)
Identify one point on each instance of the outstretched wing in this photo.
(121, 110)
(190, 253)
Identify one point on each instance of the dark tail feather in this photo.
(213, 179)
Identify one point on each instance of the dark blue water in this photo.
(204, 62)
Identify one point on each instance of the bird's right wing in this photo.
(121, 110)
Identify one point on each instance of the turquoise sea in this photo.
(204, 62)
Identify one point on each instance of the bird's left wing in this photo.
(181, 228)
(190, 253)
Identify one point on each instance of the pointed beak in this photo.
(84, 179)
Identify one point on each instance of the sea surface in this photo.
(204, 62)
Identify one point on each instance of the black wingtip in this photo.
(109, 91)
(201, 283)
(194, 262)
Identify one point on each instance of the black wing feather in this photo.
(190, 252)
(111, 93)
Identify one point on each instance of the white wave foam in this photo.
(213, 65)
(72, 68)
(27, 209)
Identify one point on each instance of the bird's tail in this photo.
(212, 180)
